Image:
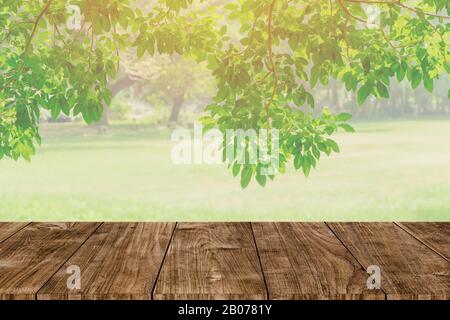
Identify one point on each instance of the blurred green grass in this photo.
(387, 170)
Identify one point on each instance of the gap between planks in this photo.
(119, 261)
(409, 269)
(260, 263)
(14, 230)
(34, 253)
(164, 259)
(307, 261)
(419, 238)
(351, 253)
(211, 261)
(95, 230)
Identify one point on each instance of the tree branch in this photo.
(36, 23)
(399, 4)
(349, 14)
(273, 69)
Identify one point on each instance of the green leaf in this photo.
(262, 179)
(141, 50)
(246, 175)
(310, 99)
(366, 65)
(236, 169)
(347, 127)
(428, 83)
(344, 117)
(401, 72)
(298, 160)
(416, 78)
(333, 145)
(364, 92)
(306, 166)
(315, 73)
(315, 152)
(382, 90)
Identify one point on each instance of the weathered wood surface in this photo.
(409, 269)
(119, 261)
(306, 261)
(435, 235)
(224, 260)
(7, 229)
(31, 256)
(211, 261)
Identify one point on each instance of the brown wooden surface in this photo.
(436, 235)
(7, 229)
(32, 255)
(222, 260)
(306, 261)
(409, 269)
(119, 261)
(211, 261)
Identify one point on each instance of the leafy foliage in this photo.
(264, 75)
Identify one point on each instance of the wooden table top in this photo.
(224, 260)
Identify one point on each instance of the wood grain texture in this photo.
(303, 261)
(119, 261)
(7, 229)
(409, 269)
(31, 256)
(211, 261)
(435, 235)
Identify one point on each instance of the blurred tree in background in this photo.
(171, 80)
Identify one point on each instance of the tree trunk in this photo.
(335, 97)
(115, 88)
(405, 104)
(176, 108)
(104, 121)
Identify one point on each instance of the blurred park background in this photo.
(395, 167)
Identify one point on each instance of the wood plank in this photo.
(303, 261)
(435, 235)
(31, 256)
(211, 261)
(409, 269)
(119, 261)
(7, 229)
